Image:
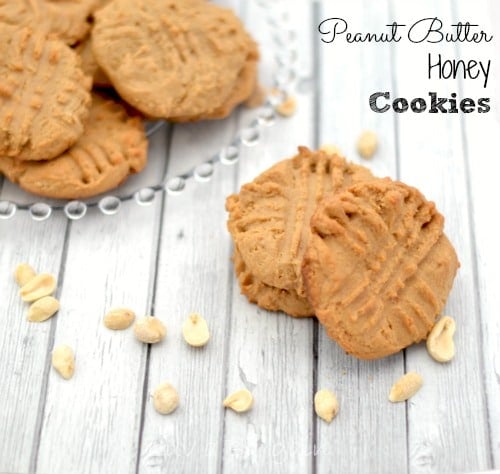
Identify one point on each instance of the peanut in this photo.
(63, 360)
(195, 330)
(407, 386)
(119, 318)
(165, 398)
(440, 343)
(288, 107)
(23, 274)
(239, 401)
(367, 144)
(326, 405)
(43, 309)
(39, 286)
(149, 329)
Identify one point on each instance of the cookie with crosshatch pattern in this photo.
(269, 217)
(184, 60)
(44, 95)
(113, 146)
(378, 267)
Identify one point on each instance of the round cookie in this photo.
(378, 268)
(176, 59)
(44, 95)
(113, 146)
(62, 19)
(269, 218)
(269, 297)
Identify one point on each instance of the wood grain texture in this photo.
(269, 353)
(479, 135)
(91, 422)
(450, 409)
(349, 74)
(23, 345)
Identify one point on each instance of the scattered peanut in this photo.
(63, 360)
(331, 149)
(440, 343)
(149, 329)
(326, 405)
(407, 386)
(239, 401)
(43, 309)
(23, 274)
(288, 107)
(165, 398)
(195, 330)
(367, 144)
(119, 318)
(37, 287)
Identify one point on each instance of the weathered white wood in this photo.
(447, 423)
(192, 276)
(369, 434)
(272, 354)
(481, 133)
(91, 422)
(23, 345)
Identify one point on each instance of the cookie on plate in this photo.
(178, 59)
(269, 297)
(44, 95)
(66, 20)
(89, 65)
(112, 146)
(378, 267)
(269, 217)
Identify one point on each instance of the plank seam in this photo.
(152, 299)
(46, 371)
(474, 255)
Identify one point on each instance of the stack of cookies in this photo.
(69, 65)
(317, 235)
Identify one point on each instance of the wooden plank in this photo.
(272, 354)
(480, 132)
(369, 435)
(24, 363)
(192, 276)
(193, 271)
(91, 422)
(447, 423)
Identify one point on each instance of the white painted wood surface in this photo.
(173, 258)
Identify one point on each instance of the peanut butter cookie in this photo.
(44, 95)
(269, 218)
(378, 267)
(175, 59)
(269, 297)
(62, 19)
(113, 146)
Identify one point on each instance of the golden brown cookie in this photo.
(113, 146)
(269, 218)
(62, 19)
(44, 96)
(89, 65)
(246, 83)
(378, 268)
(172, 58)
(269, 297)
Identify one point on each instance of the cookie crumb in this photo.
(367, 144)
